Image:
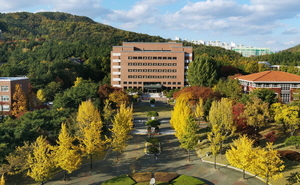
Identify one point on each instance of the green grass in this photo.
(139, 111)
(186, 180)
(123, 179)
(156, 182)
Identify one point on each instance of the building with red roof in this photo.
(282, 83)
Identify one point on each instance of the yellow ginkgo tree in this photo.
(89, 130)
(66, 156)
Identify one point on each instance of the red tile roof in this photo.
(271, 76)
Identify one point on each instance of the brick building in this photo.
(7, 88)
(151, 67)
(282, 83)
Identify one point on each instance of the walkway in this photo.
(172, 159)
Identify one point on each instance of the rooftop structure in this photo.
(282, 83)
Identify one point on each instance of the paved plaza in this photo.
(172, 159)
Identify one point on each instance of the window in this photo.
(170, 64)
(169, 83)
(129, 70)
(144, 70)
(149, 70)
(129, 58)
(174, 58)
(140, 64)
(159, 64)
(134, 70)
(4, 107)
(174, 64)
(164, 83)
(140, 76)
(135, 64)
(4, 98)
(140, 58)
(164, 58)
(169, 58)
(139, 82)
(174, 83)
(144, 64)
(160, 70)
(134, 58)
(130, 64)
(124, 82)
(174, 70)
(129, 76)
(154, 64)
(144, 76)
(134, 76)
(169, 70)
(154, 58)
(154, 76)
(159, 58)
(140, 70)
(178, 83)
(144, 58)
(149, 76)
(149, 58)
(149, 64)
(134, 82)
(129, 82)
(164, 70)
(154, 70)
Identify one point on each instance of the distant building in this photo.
(251, 51)
(245, 51)
(282, 83)
(151, 67)
(7, 89)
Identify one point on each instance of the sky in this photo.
(274, 24)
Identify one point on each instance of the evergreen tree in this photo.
(66, 156)
(202, 72)
(19, 101)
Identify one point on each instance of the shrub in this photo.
(152, 114)
(141, 177)
(153, 123)
(123, 179)
(187, 180)
(153, 140)
(165, 176)
(152, 101)
(152, 149)
(270, 137)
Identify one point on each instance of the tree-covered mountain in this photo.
(294, 49)
(39, 45)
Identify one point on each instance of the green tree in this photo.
(19, 104)
(122, 125)
(66, 156)
(202, 72)
(229, 88)
(266, 95)
(89, 130)
(41, 161)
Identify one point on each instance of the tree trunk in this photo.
(244, 176)
(65, 175)
(117, 156)
(189, 155)
(91, 160)
(215, 165)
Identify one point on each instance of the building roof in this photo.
(13, 78)
(271, 76)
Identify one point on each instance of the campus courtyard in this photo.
(172, 159)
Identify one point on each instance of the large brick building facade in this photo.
(7, 89)
(282, 83)
(151, 67)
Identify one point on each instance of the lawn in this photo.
(163, 111)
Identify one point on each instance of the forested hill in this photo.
(38, 45)
(294, 49)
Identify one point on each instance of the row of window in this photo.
(151, 64)
(4, 98)
(4, 108)
(153, 70)
(4, 88)
(150, 58)
(150, 76)
(164, 83)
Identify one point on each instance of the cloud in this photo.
(291, 31)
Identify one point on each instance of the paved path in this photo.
(172, 159)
